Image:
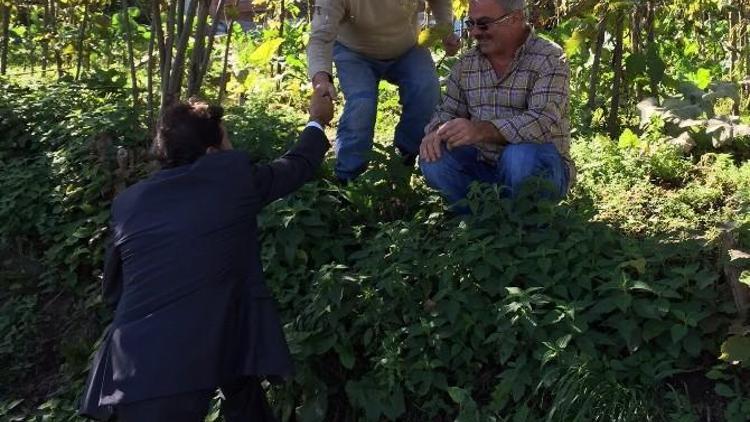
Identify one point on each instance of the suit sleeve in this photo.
(112, 279)
(293, 169)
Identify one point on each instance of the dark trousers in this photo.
(244, 401)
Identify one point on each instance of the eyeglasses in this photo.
(484, 24)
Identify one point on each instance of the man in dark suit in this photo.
(183, 272)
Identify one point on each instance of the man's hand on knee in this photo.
(460, 132)
(431, 147)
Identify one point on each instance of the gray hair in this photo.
(512, 5)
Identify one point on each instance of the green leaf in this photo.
(724, 390)
(628, 139)
(702, 78)
(745, 278)
(573, 44)
(693, 344)
(652, 329)
(736, 349)
(635, 65)
(656, 66)
(678, 332)
(346, 354)
(459, 395)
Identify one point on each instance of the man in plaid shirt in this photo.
(504, 115)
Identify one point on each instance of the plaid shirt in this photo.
(529, 104)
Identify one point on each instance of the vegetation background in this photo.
(627, 301)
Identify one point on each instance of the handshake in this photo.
(321, 105)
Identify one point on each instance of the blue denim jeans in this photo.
(457, 168)
(419, 91)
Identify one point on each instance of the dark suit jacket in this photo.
(184, 272)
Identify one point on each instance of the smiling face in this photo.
(495, 29)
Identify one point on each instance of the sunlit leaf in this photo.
(265, 52)
(702, 78)
(628, 139)
(573, 44)
(430, 36)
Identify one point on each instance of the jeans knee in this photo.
(522, 162)
(359, 112)
(431, 171)
(423, 92)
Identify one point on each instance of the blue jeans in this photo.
(457, 168)
(419, 92)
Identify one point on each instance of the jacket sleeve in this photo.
(326, 19)
(293, 169)
(112, 278)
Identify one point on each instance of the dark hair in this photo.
(186, 130)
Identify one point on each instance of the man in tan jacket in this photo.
(370, 41)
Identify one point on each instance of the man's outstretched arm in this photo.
(289, 172)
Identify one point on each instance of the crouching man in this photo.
(504, 115)
(192, 312)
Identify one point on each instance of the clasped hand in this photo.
(455, 133)
(321, 106)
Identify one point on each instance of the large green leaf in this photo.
(262, 55)
(702, 78)
(736, 349)
(573, 44)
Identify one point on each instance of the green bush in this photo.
(393, 309)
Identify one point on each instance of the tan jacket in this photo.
(381, 29)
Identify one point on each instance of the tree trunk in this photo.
(635, 41)
(5, 25)
(223, 83)
(613, 124)
(282, 15)
(735, 53)
(206, 62)
(175, 79)
(595, 68)
(58, 56)
(31, 45)
(157, 31)
(150, 78)
(45, 43)
(181, 16)
(81, 37)
(131, 55)
(650, 43)
(196, 59)
(166, 65)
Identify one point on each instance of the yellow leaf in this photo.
(460, 7)
(573, 44)
(432, 35)
(265, 52)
